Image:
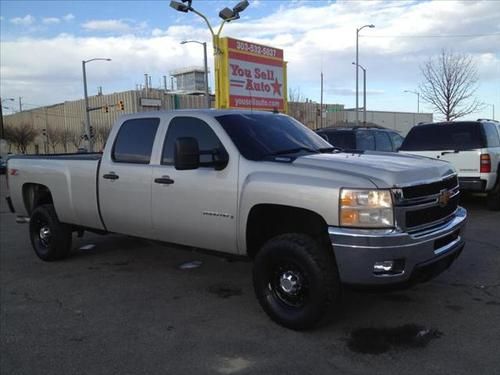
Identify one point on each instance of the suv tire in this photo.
(494, 197)
(50, 238)
(296, 280)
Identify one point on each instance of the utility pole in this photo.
(321, 104)
(90, 146)
(20, 105)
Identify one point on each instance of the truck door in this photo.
(125, 178)
(196, 207)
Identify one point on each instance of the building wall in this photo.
(400, 121)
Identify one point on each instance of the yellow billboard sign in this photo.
(250, 76)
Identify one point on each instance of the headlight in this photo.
(366, 208)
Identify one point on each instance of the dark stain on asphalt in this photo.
(455, 308)
(381, 340)
(78, 339)
(477, 299)
(397, 298)
(225, 291)
(493, 303)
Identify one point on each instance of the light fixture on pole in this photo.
(90, 146)
(418, 98)
(357, 64)
(364, 91)
(205, 61)
(227, 15)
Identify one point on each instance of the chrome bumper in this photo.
(358, 250)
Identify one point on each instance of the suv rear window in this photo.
(457, 136)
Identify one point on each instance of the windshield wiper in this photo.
(294, 151)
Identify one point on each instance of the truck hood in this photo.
(385, 170)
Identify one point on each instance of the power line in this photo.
(430, 36)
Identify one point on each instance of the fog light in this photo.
(389, 267)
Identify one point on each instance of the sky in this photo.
(42, 44)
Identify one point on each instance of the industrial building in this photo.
(60, 127)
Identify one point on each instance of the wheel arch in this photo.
(35, 195)
(269, 220)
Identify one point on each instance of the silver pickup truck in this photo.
(256, 184)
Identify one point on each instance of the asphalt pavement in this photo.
(121, 305)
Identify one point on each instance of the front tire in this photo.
(50, 238)
(296, 280)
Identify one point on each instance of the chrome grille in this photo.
(421, 206)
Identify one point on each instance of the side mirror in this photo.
(220, 159)
(187, 154)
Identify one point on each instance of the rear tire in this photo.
(494, 197)
(296, 280)
(50, 238)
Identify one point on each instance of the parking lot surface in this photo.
(121, 305)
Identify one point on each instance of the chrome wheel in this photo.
(45, 235)
(290, 285)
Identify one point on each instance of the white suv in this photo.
(473, 147)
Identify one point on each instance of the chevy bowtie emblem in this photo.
(444, 198)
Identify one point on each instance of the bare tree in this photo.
(449, 85)
(75, 138)
(53, 137)
(65, 138)
(21, 135)
(101, 135)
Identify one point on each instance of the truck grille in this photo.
(418, 207)
(431, 214)
(430, 189)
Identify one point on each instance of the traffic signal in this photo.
(92, 133)
(105, 108)
(121, 105)
(44, 132)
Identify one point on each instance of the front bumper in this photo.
(433, 250)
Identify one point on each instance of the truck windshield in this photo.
(456, 136)
(259, 136)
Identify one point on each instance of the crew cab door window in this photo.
(383, 142)
(134, 141)
(191, 127)
(365, 140)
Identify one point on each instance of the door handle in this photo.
(111, 176)
(166, 180)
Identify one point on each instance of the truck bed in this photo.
(70, 178)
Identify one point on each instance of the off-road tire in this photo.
(314, 262)
(50, 238)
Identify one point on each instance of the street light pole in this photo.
(90, 146)
(205, 62)
(227, 15)
(493, 109)
(364, 90)
(418, 98)
(357, 64)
